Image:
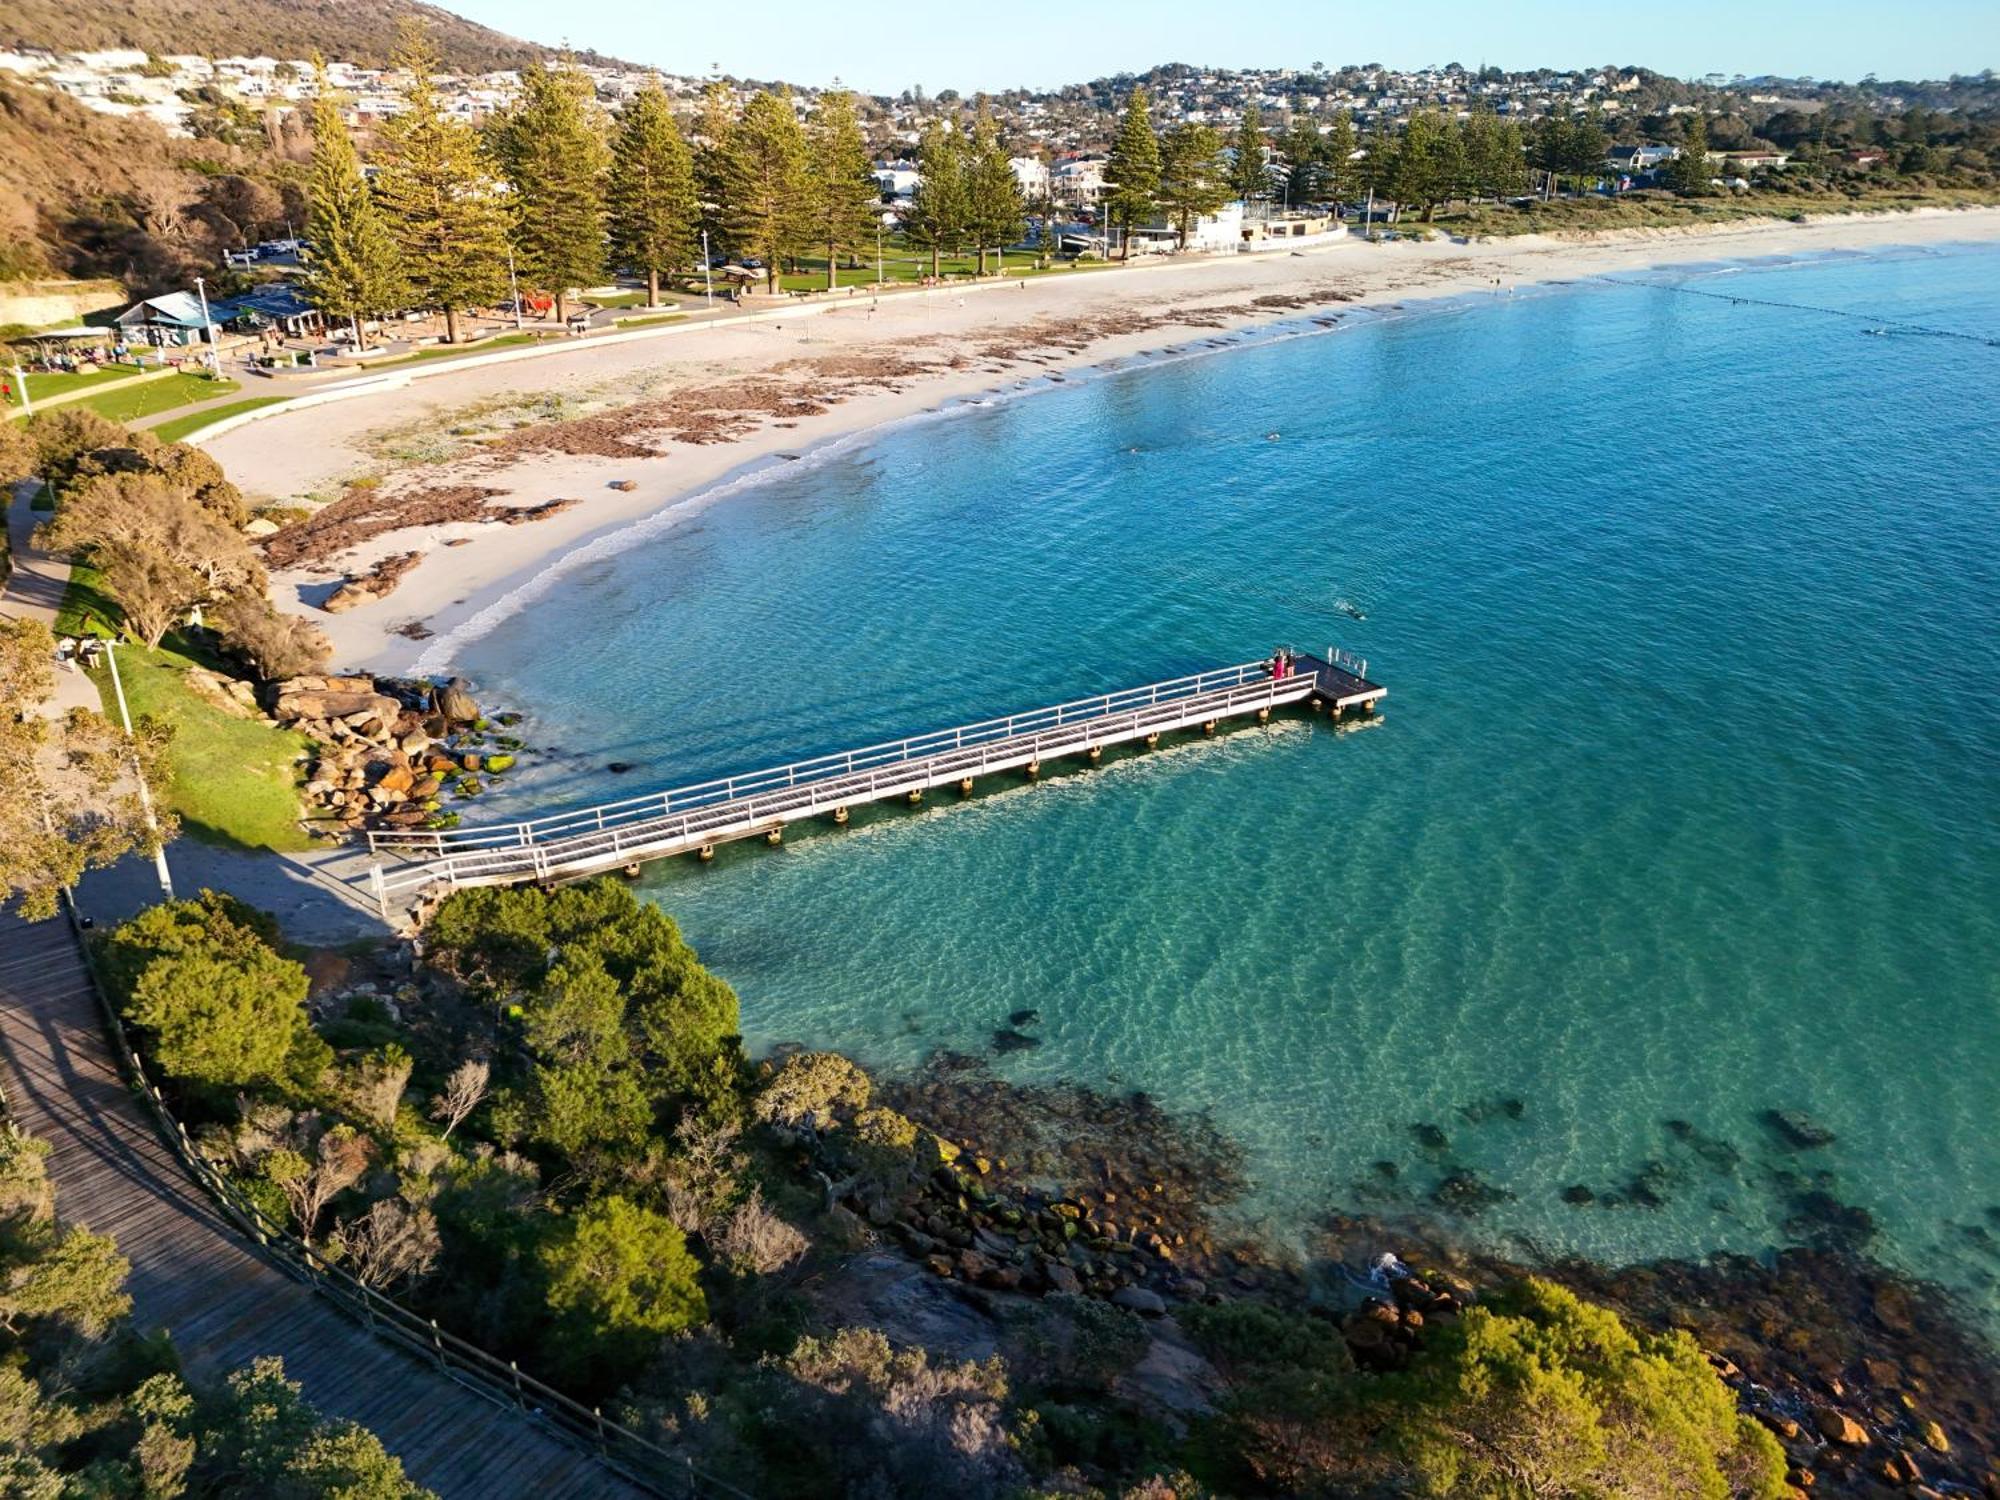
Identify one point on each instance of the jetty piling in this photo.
(411, 866)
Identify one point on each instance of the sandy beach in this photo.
(447, 497)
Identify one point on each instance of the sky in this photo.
(884, 49)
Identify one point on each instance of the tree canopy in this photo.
(653, 208)
(221, 1006)
(550, 147)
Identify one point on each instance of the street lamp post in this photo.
(207, 328)
(21, 385)
(145, 796)
(878, 250)
(707, 272)
(514, 288)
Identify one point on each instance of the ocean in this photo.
(1684, 807)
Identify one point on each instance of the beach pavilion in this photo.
(175, 318)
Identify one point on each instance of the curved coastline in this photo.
(494, 576)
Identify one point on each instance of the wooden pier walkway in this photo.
(194, 1275)
(571, 845)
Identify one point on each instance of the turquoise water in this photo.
(1685, 803)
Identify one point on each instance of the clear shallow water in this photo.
(1685, 803)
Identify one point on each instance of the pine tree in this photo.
(1336, 159)
(1193, 180)
(846, 201)
(352, 269)
(1132, 172)
(1691, 175)
(996, 213)
(551, 147)
(713, 132)
(1429, 164)
(441, 203)
(1249, 175)
(651, 196)
(935, 217)
(767, 183)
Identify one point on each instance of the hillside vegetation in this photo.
(84, 194)
(359, 31)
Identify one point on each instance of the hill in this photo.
(84, 194)
(359, 31)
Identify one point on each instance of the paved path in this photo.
(193, 1275)
(35, 592)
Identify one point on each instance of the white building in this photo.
(1032, 175)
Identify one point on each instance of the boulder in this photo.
(1837, 1426)
(1137, 1299)
(329, 703)
(397, 779)
(1934, 1438)
(455, 702)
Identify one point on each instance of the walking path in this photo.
(192, 1274)
(35, 592)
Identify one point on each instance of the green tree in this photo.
(845, 201)
(768, 184)
(996, 213)
(68, 802)
(714, 131)
(442, 204)
(1429, 164)
(936, 216)
(1539, 1393)
(619, 1278)
(72, 1277)
(1494, 165)
(219, 1005)
(352, 269)
(258, 1436)
(1132, 170)
(550, 146)
(1249, 173)
(1193, 179)
(1690, 174)
(654, 211)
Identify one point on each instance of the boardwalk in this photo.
(194, 1275)
(571, 845)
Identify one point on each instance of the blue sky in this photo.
(885, 48)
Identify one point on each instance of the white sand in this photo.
(297, 453)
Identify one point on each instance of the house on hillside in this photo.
(1637, 159)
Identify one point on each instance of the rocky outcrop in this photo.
(385, 756)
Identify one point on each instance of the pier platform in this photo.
(410, 866)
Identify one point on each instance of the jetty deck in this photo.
(614, 835)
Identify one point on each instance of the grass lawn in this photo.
(453, 351)
(620, 299)
(175, 429)
(155, 396)
(46, 387)
(902, 264)
(234, 781)
(652, 320)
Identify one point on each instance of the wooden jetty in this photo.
(224, 1302)
(695, 819)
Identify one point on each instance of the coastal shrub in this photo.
(1083, 1343)
(1249, 1339)
(271, 643)
(1540, 1392)
(217, 1004)
(812, 1089)
(619, 1278)
(914, 1426)
(678, 1019)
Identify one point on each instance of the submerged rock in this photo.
(1797, 1129)
(1024, 1018)
(1464, 1191)
(1007, 1040)
(1578, 1195)
(1430, 1138)
(1503, 1107)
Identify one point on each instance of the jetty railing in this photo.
(596, 819)
(645, 1463)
